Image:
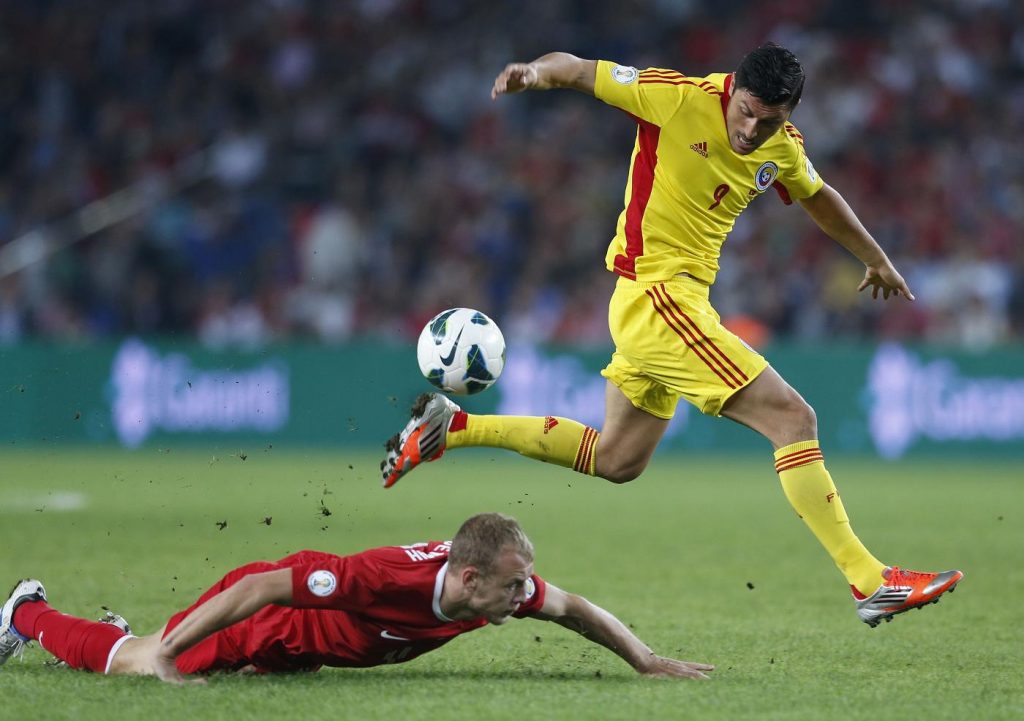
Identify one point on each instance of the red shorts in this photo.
(218, 652)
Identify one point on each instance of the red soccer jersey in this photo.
(378, 606)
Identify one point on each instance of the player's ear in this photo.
(470, 576)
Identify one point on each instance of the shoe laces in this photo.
(11, 646)
(902, 577)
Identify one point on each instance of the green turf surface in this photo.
(673, 554)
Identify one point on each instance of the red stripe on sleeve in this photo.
(649, 72)
(668, 81)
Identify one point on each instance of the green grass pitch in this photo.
(701, 556)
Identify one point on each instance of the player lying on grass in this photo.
(313, 609)
(705, 148)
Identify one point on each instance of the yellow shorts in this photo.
(670, 343)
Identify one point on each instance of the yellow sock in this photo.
(811, 492)
(561, 441)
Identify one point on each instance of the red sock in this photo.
(80, 643)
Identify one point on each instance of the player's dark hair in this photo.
(482, 538)
(772, 74)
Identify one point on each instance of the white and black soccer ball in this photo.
(461, 351)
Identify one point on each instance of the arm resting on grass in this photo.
(228, 607)
(580, 615)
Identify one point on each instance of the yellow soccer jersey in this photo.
(686, 185)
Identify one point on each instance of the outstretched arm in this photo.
(834, 216)
(230, 606)
(580, 615)
(554, 70)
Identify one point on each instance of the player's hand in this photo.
(515, 78)
(672, 668)
(884, 277)
(165, 670)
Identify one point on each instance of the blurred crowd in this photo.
(355, 176)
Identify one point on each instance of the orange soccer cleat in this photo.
(422, 439)
(901, 591)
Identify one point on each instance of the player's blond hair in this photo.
(482, 538)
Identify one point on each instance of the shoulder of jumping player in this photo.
(790, 134)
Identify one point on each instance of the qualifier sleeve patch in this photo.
(321, 583)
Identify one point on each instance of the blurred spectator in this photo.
(12, 314)
(357, 178)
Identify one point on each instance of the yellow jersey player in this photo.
(705, 147)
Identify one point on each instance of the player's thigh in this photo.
(629, 433)
(773, 408)
(135, 655)
(672, 336)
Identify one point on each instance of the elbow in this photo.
(575, 73)
(575, 604)
(577, 611)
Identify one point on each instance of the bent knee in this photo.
(806, 414)
(802, 421)
(621, 472)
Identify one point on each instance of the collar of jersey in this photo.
(438, 588)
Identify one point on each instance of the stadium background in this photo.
(252, 177)
(353, 174)
(222, 225)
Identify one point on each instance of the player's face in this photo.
(498, 595)
(750, 122)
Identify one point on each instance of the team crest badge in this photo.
(531, 588)
(321, 583)
(765, 176)
(624, 74)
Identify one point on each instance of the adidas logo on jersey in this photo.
(700, 148)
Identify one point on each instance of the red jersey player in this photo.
(313, 609)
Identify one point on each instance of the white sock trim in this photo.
(114, 649)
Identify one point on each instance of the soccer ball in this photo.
(461, 351)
